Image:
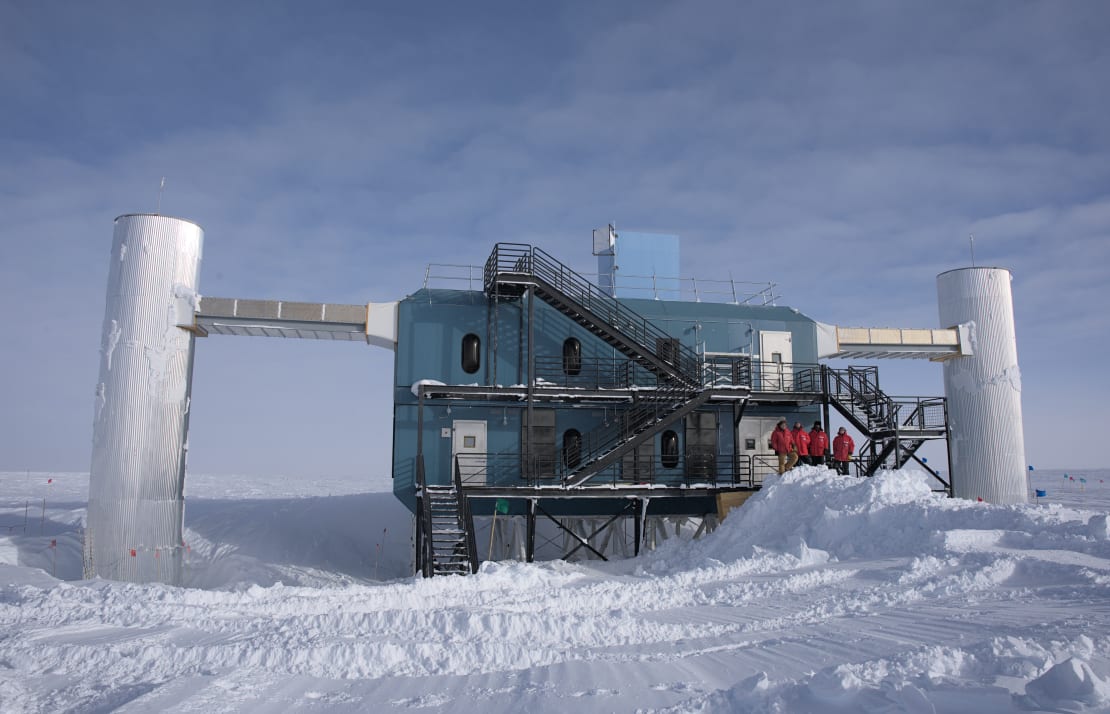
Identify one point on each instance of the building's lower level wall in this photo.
(701, 448)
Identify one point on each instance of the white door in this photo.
(753, 445)
(468, 443)
(776, 361)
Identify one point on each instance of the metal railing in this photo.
(642, 336)
(856, 390)
(512, 469)
(454, 275)
(648, 287)
(655, 287)
(727, 371)
(424, 552)
(769, 376)
(922, 413)
(592, 373)
(648, 409)
(466, 518)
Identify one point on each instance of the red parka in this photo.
(801, 440)
(782, 441)
(818, 442)
(843, 446)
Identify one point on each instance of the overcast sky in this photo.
(331, 150)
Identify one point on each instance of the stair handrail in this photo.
(529, 260)
(918, 418)
(649, 408)
(426, 565)
(877, 409)
(620, 316)
(466, 518)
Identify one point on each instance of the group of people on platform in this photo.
(812, 448)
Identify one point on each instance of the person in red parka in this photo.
(782, 443)
(818, 444)
(843, 446)
(801, 442)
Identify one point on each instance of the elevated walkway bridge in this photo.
(655, 383)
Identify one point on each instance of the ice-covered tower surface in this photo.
(141, 411)
(984, 389)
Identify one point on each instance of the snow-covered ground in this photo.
(823, 594)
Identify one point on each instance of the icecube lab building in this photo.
(569, 414)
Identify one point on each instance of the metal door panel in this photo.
(468, 443)
(776, 361)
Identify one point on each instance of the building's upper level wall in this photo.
(433, 323)
(722, 327)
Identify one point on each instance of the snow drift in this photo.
(823, 593)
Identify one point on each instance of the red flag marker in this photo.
(50, 480)
(980, 500)
(132, 552)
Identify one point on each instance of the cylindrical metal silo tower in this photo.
(136, 499)
(987, 444)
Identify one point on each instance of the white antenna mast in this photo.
(971, 237)
(161, 187)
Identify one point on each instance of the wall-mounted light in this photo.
(448, 409)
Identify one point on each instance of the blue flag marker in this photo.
(1041, 493)
(1030, 467)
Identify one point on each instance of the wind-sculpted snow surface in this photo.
(823, 593)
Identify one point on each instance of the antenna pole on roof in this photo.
(971, 237)
(161, 187)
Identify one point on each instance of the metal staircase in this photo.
(855, 393)
(651, 414)
(513, 268)
(895, 427)
(446, 531)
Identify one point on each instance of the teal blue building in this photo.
(542, 394)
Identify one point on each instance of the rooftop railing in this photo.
(513, 470)
(650, 287)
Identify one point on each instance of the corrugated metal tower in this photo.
(987, 442)
(136, 500)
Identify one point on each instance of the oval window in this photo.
(471, 353)
(572, 356)
(668, 449)
(572, 448)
